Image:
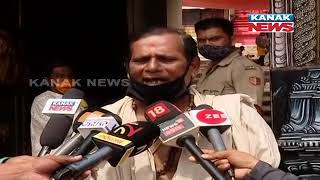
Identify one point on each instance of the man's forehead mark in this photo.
(152, 46)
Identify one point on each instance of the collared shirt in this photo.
(234, 74)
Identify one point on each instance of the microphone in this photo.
(58, 126)
(100, 120)
(171, 121)
(161, 111)
(77, 139)
(212, 124)
(125, 141)
(179, 131)
(69, 103)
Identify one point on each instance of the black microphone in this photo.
(58, 126)
(212, 124)
(125, 141)
(100, 120)
(179, 131)
(77, 141)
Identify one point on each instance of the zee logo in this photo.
(271, 22)
(211, 116)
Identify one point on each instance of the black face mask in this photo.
(214, 53)
(170, 91)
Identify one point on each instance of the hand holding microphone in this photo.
(30, 167)
(212, 124)
(242, 162)
(125, 141)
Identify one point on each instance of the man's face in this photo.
(62, 79)
(158, 59)
(213, 36)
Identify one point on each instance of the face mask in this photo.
(63, 86)
(170, 91)
(214, 52)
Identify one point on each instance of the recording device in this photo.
(58, 126)
(78, 144)
(125, 141)
(68, 104)
(212, 124)
(100, 120)
(179, 131)
(171, 121)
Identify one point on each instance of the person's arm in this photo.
(246, 166)
(263, 171)
(39, 168)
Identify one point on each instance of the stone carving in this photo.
(300, 136)
(305, 32)
(279, 44)
(298, 124)
(302, 47)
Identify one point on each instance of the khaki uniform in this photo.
(248, 133)
(234, 74)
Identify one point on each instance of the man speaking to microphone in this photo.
(162, 64)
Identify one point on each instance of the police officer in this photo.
(228, 72)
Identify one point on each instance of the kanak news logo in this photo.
(61, 106)
(271, 22)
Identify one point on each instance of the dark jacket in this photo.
(263, 171)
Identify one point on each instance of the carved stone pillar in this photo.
(300, 48)
(295, 81)
(280, 55)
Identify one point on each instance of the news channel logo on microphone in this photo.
(271, 23)
(61, 106)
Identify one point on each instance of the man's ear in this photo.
(195, 65)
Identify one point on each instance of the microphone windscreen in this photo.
(58, 125)
(55, 131)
